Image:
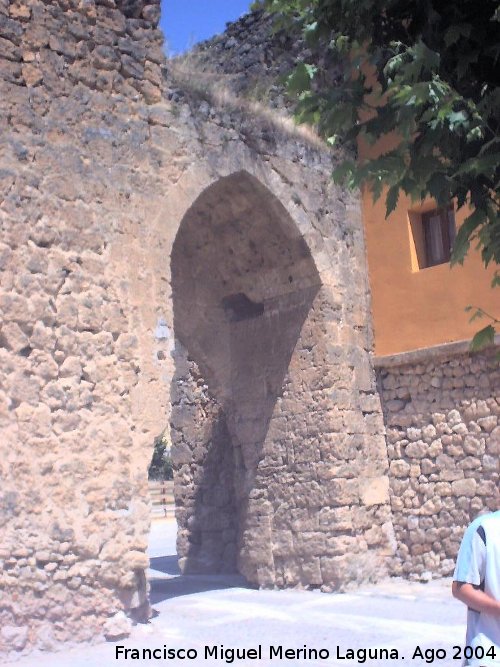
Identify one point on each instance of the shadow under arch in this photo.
(243, 285)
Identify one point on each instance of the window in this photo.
(439, 234)
(432, 234)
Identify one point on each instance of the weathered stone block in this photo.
(374, 491)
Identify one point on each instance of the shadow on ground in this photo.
(167, 582)
(165, 564)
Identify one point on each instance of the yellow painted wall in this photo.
(415, 308)
(419, 308)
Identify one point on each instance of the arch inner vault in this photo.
(250, 390)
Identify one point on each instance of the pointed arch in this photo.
(243, 284)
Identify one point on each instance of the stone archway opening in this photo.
(244, 284)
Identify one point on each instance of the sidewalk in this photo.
(199, 613)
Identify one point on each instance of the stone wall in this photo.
(173, 257)
(293, 400)
(102, 159)
(252, 57)
(441, 410)
(76, 78)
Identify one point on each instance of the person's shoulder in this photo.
(487, 516)
(483, 525)
(493, 518)
(478, 521)
(479, 525)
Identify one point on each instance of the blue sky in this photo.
(185, 22)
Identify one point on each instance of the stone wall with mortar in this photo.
(441, 411)
(442, 474)
(101, 159)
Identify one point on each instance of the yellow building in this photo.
(418, 299)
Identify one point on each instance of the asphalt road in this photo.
(201, 614)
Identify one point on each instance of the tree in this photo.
(160, 468)
(435, 68)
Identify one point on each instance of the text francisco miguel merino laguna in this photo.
(229, 655)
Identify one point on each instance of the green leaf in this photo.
(457, 118)
(483, 338)
(475, 134)
(464, 236)
(341, 43)
(455, 32)
(343, 172)
(310, 29)
(391, 200)
(300, 79)
(311, 70)
(439, 188)
(436, 76)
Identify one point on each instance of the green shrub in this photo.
(161, 463)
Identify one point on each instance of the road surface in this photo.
(203, 620)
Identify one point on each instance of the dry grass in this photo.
(192, 77)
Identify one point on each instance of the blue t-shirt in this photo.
(478, 563)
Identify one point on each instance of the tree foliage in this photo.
(160, 468)
(436, 86)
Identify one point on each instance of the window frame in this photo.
(447, 227)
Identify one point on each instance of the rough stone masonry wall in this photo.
(100, 159)
(76, 78)
(252, 57)
(443, 440)
(296, 406)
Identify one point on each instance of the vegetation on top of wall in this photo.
(436, 86)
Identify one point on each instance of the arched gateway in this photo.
(155, 242)
(269, 441)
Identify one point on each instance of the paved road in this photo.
(207, 611)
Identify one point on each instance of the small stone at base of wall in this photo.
(117, 627)
(13, 637)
